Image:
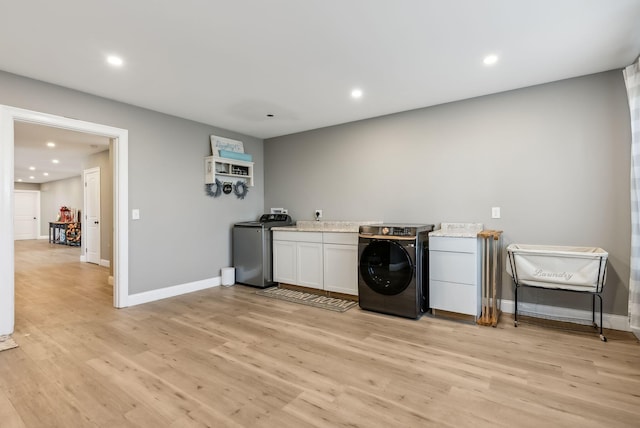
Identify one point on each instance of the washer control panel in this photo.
(394, 229)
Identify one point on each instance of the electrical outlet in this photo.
(318, 214)
(495, 212)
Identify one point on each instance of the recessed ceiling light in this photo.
(115, 60)
(55, 161)
(46, 174)
(356, 93)
(490, 59)
(51, 144)
(32, 168)
(20, 180)
(32, 177)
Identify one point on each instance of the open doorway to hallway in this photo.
(9, 116)
(69, 170)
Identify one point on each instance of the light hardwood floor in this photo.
(226, 357)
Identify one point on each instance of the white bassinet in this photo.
(580, 269)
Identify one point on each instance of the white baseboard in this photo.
(612, 321)
(83, 259)
(175, 290)
(105, 263)
(43, 237)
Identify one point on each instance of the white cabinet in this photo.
(284, 261)
(454, 275)
(227, 169)
(297, 258)
(341, 262)
(322, 260)
(309, 264)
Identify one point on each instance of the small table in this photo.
(58, 233)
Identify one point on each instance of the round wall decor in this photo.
(213, 189)
(240, 189)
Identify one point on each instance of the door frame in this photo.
(120, 137)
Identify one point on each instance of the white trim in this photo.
(636, 331)
(83, 259)
(612, 321)
(172, 291)
(8, 115)
(7, 296)
(105, 263)
(44, 237)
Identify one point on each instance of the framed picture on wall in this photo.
(222, 143)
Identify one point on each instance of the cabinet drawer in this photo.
(286, 235)
(452, 297)
(461, 245)
(346, 238)
(453, 267)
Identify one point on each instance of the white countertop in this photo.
(325, 226)
(458, 230)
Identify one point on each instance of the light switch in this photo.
(135, 214)
(495, 212)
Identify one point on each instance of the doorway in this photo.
(10, 115)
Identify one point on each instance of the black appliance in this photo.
(393, 269)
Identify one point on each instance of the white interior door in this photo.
(91, 223)
(26, 214)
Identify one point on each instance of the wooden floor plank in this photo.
(227, 357)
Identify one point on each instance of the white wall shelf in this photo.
(227, 169)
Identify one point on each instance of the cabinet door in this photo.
(452, 267)
(454, 297)
(284, 262)
(309, 264)
(341, 268)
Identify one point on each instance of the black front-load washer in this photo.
(393, 268)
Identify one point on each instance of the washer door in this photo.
(386, 267)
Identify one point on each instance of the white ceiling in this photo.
(71, 150)
(230, 63)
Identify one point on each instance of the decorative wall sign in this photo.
(222, 143)
(227, 187)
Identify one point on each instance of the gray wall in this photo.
(26, 186)
(55, 194)
(102, 160)
(554, 157)
(183, 235)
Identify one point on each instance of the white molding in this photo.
(83, 259)
(105, 263)
(44, 237)
(172, 291)
(7, 296)
(612, 321)
(120, 147)
(636, 331)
